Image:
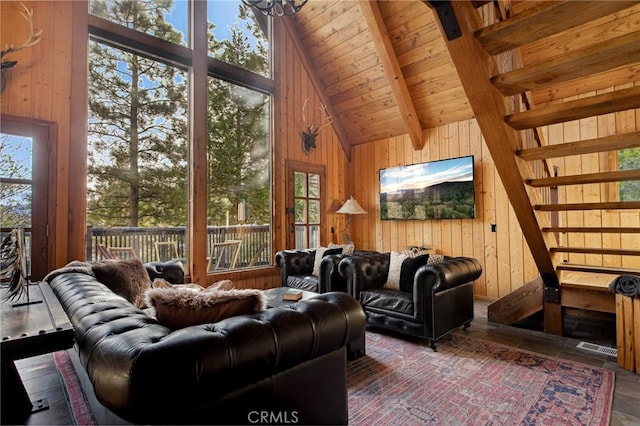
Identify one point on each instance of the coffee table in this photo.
(273, 296)
(28, 330)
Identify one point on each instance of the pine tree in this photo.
(238, 130)
(137, 126)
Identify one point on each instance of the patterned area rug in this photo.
(470, 382)
(78, 404)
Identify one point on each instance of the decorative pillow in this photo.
(161, 283)
(395, 266)
(320, 253)
(346, 248)
(180, 307)
(221, 285)
(435, 258)
(408, 271)
(125, 277)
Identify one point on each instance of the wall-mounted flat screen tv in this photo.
(441, 189)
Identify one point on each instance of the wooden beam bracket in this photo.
(447, 18)
(552, 294)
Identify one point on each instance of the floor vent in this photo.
(606, 350)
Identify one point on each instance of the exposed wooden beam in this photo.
(609, 205)
(317, 84)
(620, 100)
(543, 20)
(381, 40)
(475, 68)
(589, 146)
(615, 176)
(593, 59)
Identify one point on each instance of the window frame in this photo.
(200, 66)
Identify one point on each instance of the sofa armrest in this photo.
(330, 279)
(364, 272)
(446, 275)
(294, 262)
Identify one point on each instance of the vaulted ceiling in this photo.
(385, 69)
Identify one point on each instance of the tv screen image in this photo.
(442, 189)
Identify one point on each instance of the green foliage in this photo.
(629, 159)
(15, 198)
(138, 128)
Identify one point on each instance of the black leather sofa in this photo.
(296, 270)
(282, 364)
(441, 300)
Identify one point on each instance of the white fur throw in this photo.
(182, 307)
(395, 267)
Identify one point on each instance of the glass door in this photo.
(24, 179)
(305, 203)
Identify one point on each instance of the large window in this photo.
(629, 159)
(139, 142)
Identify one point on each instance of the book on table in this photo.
(292, 295)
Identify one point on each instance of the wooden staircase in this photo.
(566, 232)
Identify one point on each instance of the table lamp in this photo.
(350, 207)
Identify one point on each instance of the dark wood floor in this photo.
(41, 379)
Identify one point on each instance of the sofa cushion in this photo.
(125, 277)
(303, 282)
(435, 258)
(346, 248)
(320, 253)
(395, 266)
(182, 307)
(408, 271)
(388, 300)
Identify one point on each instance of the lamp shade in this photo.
(351, 206)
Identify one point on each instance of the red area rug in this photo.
(78, 404)
(471, 382)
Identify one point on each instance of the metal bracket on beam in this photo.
(551, 288)
(447, 18)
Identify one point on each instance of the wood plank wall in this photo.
(505, 257)
(40, 86)
(293, 87)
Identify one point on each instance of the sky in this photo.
(423, 175)
(222, 13)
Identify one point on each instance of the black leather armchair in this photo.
(442, 297)
(296, 270)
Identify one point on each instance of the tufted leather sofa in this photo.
(235, 371)
(442, 297)
(296, 270)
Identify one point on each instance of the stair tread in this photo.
(586, 178)
(605, 103)
(593, 281)
(613, 205)
(542, 21)
(596, 250)
(598, 269)
(588, 146)
(600, 57)
(592, 229)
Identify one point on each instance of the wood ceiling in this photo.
(385, 69)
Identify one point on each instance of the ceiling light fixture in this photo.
(277, 7)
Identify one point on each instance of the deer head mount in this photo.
(33, 38)
(311, 130)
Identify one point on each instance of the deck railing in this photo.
(254, 249)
